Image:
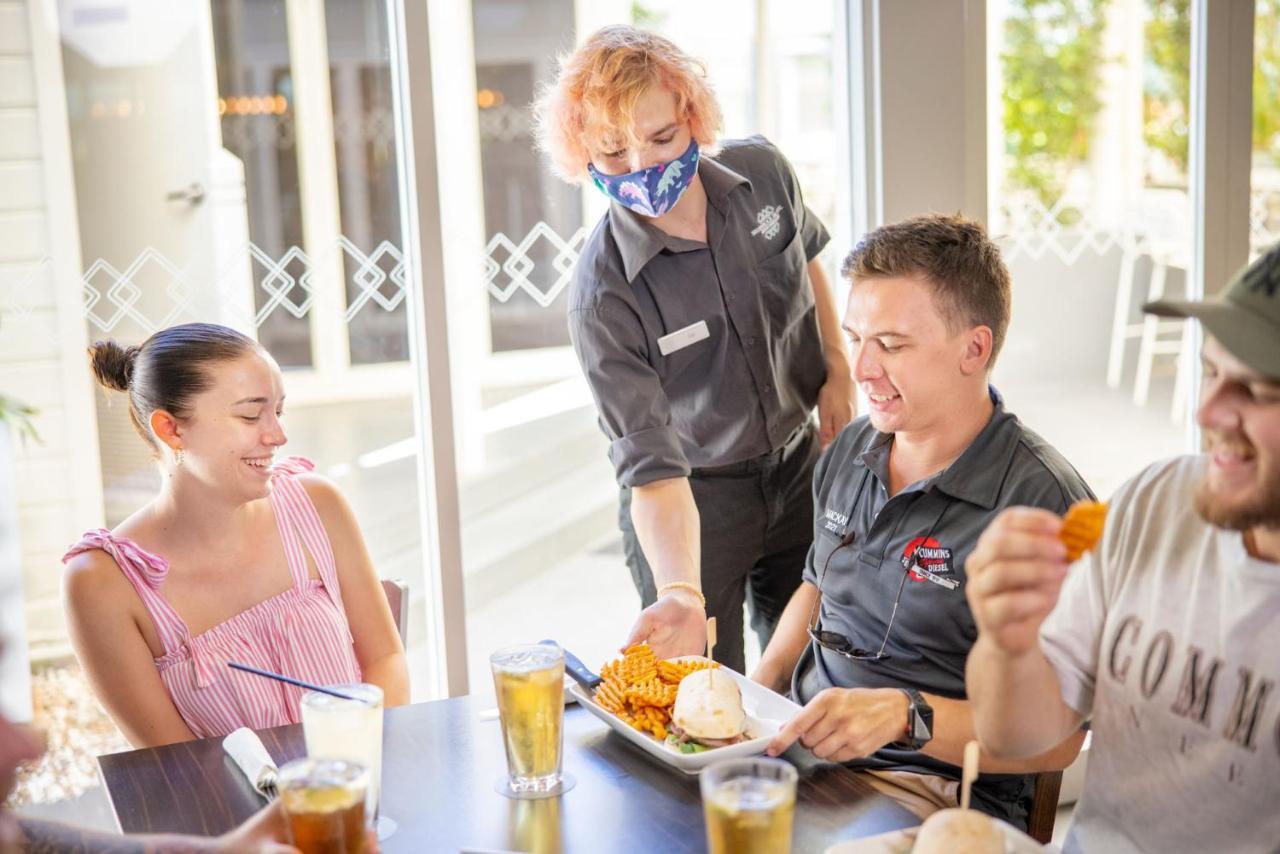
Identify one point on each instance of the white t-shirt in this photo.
(1167, 637)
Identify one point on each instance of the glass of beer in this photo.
(323, 801)
(749, 806)
(335, 728)
(529, 682)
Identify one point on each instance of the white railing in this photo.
(518, 265)
(1264, 220)
(283, 284)
(1071, 226)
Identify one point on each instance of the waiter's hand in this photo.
(837, 401)
(674, 625)
(842, 724)
(1015, 574)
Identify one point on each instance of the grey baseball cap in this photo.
(1245, 318)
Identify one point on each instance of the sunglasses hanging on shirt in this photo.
(840, 644)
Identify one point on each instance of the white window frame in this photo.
(1220, 156)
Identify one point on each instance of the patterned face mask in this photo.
(652, 191)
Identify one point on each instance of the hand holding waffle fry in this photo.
(1015, 572)
(1082, 527)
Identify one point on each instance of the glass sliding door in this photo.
(232, 162)
(1091, 204)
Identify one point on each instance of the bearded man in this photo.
(1165, 635)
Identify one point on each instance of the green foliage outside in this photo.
(1266, 82)
(1052, 59)
(1167, 84)
(18, 416)
(1167, 94)
(646, 18)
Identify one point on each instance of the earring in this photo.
(179, 456)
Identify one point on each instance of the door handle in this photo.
(193, 194)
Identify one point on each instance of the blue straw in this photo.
(280, 677)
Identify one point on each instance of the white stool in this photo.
(1157, 336)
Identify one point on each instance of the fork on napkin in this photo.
(251, 757)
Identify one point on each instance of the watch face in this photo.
(919, 729)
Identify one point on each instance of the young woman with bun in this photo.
(242, 555)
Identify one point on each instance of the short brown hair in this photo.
(954, 254)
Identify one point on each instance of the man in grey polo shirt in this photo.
(707, 333)
(875, 640)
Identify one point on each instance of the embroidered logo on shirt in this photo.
(768, 222)
(834, 521)
(929, 562)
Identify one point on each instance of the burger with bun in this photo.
(708, 713)
(959, 831)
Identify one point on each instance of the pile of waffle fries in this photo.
(1082, 527)
(641, 689)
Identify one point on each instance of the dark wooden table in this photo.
(439, 765)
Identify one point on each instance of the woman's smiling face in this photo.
(235, 426)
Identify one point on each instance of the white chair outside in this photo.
(1163, 243)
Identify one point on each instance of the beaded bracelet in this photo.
(683, 585)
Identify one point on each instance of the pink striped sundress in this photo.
(301, 632)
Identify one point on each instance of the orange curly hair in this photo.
(595, 93)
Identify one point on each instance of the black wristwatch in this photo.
(919, 720)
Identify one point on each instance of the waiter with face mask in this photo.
(707, 333)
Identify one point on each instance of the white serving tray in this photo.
(766, 712)
(902, 841)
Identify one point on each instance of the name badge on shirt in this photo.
(682, 338)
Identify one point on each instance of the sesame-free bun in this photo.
(957, 831)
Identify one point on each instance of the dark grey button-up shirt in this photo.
(943, 516)
(703, 354)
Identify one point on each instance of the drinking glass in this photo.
(336, 728)
(324, 802)
(749, 806)
(529, 682)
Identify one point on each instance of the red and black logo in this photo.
(927, 560)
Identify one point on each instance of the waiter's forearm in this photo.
(667, 526)
(780, 658)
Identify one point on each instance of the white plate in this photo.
(766, 712)
(901, 842)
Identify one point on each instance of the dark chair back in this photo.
(1044, 806)
(398, 598)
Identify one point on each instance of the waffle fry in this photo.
(641, 689)
(1082, 527)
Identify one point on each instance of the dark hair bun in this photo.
(113, 364)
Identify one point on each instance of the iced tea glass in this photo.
(324, 801)
(749, 806)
